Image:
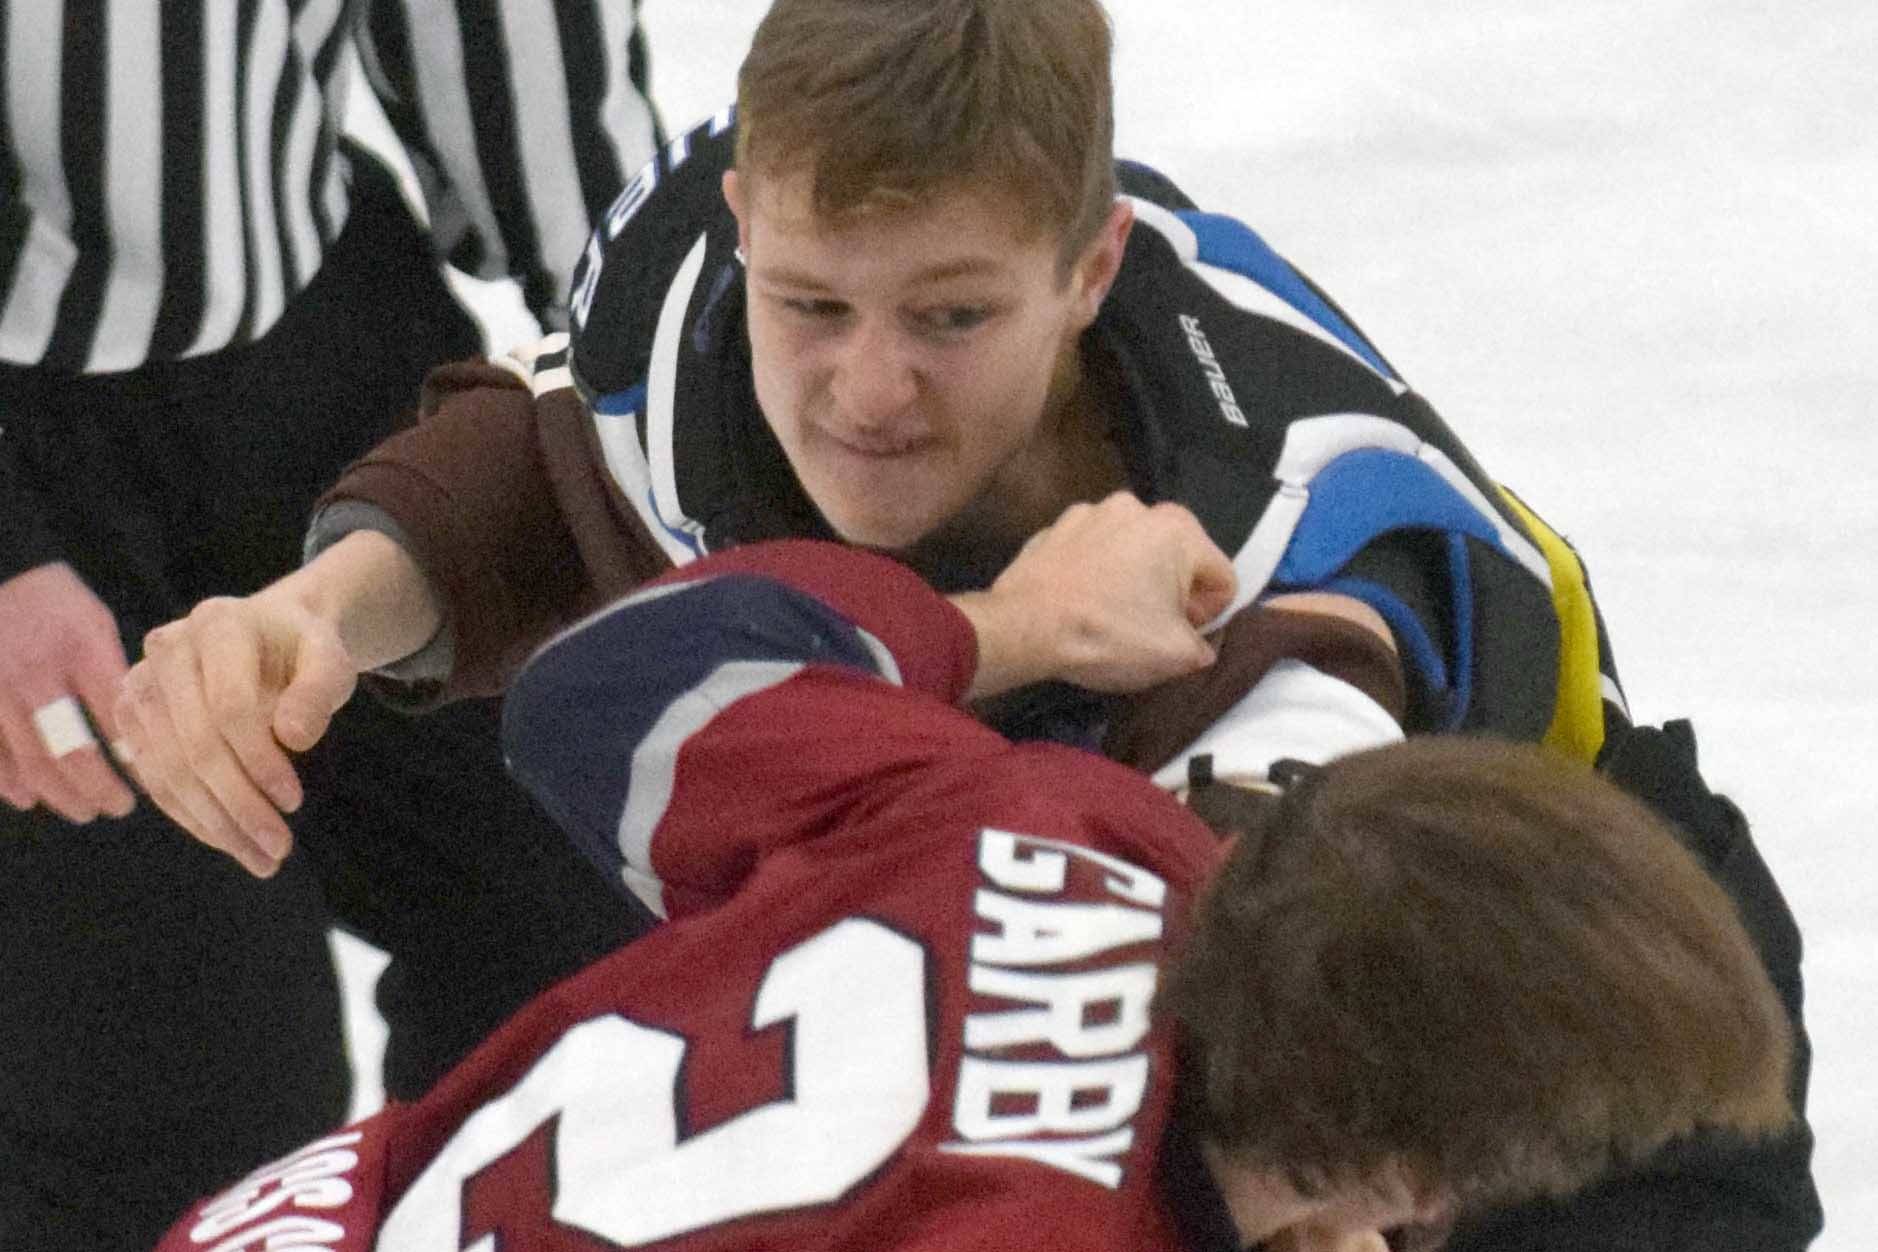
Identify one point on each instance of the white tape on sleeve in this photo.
(1295, 711)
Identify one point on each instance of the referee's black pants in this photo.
(167, 1022)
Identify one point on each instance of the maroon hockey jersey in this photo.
(903, 998)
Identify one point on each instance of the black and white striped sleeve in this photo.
(523, 118)
(167, 178)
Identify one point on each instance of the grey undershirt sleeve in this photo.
(431, 663)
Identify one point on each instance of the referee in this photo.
(209, 303)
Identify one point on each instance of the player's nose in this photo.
(875, 380)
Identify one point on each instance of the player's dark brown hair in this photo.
(1477, 963)
(886, 103)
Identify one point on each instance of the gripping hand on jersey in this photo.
(1111, 597)
(224, 695)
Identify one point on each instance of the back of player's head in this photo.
(883, 103)
(1477, 963)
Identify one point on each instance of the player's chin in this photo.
(880, 513)
(885, 535)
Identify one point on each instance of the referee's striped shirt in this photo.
(172, 174)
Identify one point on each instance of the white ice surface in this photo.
(1630, 250)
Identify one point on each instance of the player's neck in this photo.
(1071, 458)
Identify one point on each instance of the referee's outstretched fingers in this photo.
(52, 750)
(98, 679)
(13, 788)
(60, 664)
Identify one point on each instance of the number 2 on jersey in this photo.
(857, 995)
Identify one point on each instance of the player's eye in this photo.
(813, 309)
(951, 319)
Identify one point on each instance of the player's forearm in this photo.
(373, 594)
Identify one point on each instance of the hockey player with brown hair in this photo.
(922, 988)
(896, 300)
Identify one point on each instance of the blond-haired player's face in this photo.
(905, 358)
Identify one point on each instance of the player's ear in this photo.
(1095, 270)
(736, 195)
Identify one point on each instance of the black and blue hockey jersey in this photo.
(1247, 395)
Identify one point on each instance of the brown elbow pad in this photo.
(1147, 730)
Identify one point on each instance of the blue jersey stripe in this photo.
(621, 403)
(1367, 493)
(1232, 245)
(1421, 660)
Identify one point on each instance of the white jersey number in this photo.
(857, 994)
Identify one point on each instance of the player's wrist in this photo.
(367, 592)
(1010, 648)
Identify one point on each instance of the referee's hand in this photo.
(60, 664)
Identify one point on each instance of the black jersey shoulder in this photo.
(639, 248)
